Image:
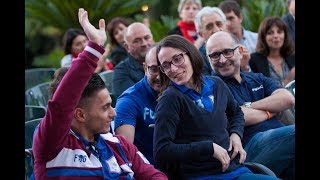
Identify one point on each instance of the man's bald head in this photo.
(151, 55)
(220, 37)
(135, 28)
(137, 40)
(224, 55)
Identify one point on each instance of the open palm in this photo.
(96, 35)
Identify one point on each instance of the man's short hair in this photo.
(231, 5)
(205, 11)
(95, 83)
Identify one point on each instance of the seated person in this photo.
(136, 108)
(116, 28)
(138, 40)
(275, 53)
(72, 141)
(199, 125)
(266, 140)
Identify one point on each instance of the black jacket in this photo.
(259, 63)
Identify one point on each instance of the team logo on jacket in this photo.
(79, 157)
(113, 165)
(257, 88)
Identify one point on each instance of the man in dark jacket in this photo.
(265, 139)
(138, 40)
(290, 19)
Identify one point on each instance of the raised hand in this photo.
(245, 58)
(98, 36)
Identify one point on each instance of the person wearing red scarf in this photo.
(187, 10)
(185, 28)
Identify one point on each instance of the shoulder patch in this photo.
(108, 136)
(145, 160)
(113, 165)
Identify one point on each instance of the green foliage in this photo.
(254, 11)
(52, 60)
(159, 28)
(51, 18)
(63, 14)
(47, 20)
(169, 21)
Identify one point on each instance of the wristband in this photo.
(268, 114)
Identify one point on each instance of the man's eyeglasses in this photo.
(177, 60)
(227, 53)
(153, 70)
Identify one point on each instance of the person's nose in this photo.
(174, 68)
(158, 76)
(215, 29)
(144, 42)
(113, 112)
(276, 35)
(222, 59)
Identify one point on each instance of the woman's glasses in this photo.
(177, 60)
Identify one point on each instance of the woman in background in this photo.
(74, 42)
(115, 30)
(187, 10)
(275, 54)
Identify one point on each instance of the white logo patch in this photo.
(257, 88)
(113, 165)
(212, 99)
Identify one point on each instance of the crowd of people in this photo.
(198, 104)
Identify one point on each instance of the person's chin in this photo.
(225, 72)
(105, 130)
(156, 87)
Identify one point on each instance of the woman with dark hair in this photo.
(199, 125)
(115, 30)
(74, 41)
(275, 54)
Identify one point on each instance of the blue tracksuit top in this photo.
(136, 106)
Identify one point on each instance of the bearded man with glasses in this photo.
(135, 108)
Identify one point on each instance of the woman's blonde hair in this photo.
(184, 2)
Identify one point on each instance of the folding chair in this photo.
(36, 76)
(107, 78)
(38, 95)
(291, 86)
(30, 127)
(28, 163)
(33, 112)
